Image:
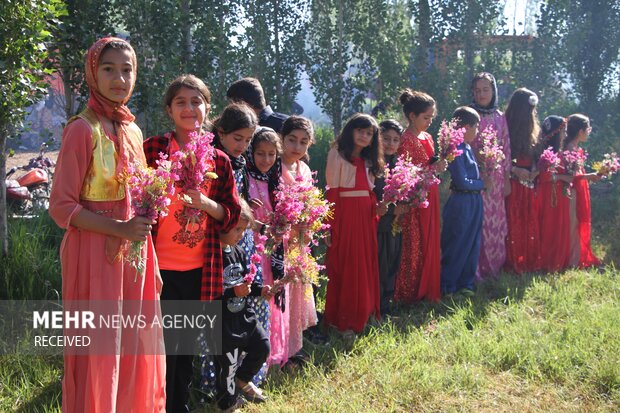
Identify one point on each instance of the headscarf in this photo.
(128, 150)
(272, 177)
(493, 105)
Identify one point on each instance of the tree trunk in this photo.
(4, 233)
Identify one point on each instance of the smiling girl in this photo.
(352, 262)
(190, 265)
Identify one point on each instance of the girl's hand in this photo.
(521, 173)
(593, 177)
(258, 225)
(533, 175)
(266, 292)
(507, 187)
(136, 229)
(441, 165)
(382, 209)
(488, 183)
(401, 209)
(242, 290)
(198, 199)
(328, 238)
(255, 203)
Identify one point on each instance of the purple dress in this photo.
(494, 225)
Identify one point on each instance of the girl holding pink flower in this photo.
(553, 206)
(89, 200)
(494, 226)
(297, 136)
(577, 132)
(352, 262)
(264, 171)
(187, 240)
(419, 275)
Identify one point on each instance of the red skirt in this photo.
(553, 208)
(352, 264)
(523, 240)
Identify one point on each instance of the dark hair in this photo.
(298, 122)
(522, 121)
(576, 122)
(391, 124)
(551, 133)
(116, 45)
(248, 90)
(465, 116)
(234, 117)
(263, 134)
(246, 211)
(415, 101)
(372, 153)
(189, 82)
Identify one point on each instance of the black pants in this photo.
(389, 264)
(240, 333)
(179, 285)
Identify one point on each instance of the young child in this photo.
(462, 214)
(553, 207)
(264, 171)
(577, 132)
(297, 136)
(419, 274)
(389, 244)
(89, 201)
(234, 130)
(352, 263)
(494, 226)
(523, 240)
(241, 332)
(189, 264)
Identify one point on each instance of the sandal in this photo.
(252, 393)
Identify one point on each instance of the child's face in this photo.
(390, 139)
(265, 155)
(116, 75)
(236, 142)
(470, 133)
(362, 137)
(233, 236)
(424, 120)
(187, 108)
(295, 145)
(483, 92)
(584, 134)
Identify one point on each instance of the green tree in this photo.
(328, 56)
(274, 47)
(84, 22)
(24, 31)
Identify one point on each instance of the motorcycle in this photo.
(30, 193)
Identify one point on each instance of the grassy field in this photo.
(536, 343)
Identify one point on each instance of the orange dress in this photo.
(420, 266)
(109, 382)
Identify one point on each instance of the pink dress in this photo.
(301, 307)
(111, 382)
(494, 224)
(279, 333)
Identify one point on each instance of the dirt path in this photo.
(22, 158)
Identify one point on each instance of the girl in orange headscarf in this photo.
(126, 372)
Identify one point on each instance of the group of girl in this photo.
(367, 265)
(509, 216)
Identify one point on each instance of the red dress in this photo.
(352, 259)
(420, 269)
(553, 208)
(523, 240)
(584, 212)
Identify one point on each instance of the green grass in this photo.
(536, 343)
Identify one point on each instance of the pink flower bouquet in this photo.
(549, 161)
(491, 153)
(450, 137)
(609, 166)
(150, 191)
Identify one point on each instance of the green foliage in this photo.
(274, 47)
(32, 267)
(84, 22)
(323, 137)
